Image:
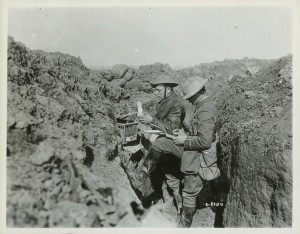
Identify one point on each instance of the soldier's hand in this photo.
(146, 118)
(180, 139)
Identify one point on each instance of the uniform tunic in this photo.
(170, 113)
(199, 160)
(200, 145)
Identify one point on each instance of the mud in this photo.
(256, 139)
(62, 146)
(66, 164)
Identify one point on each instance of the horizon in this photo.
(180, 37)
(137, 66)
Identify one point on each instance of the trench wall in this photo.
(256, 147)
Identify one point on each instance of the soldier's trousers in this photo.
(192, 182)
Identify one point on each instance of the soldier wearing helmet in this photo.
(199, 159)
(163, 85)
(170, 113)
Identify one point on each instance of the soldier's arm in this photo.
(173, 119)
(204, 132)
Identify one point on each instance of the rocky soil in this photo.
(256, 140)
(66, 164)
(63, 168)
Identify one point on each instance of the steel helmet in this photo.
(164, 79)
(192, 85)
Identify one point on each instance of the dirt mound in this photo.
(118, 76)
(148, 73)
(61, 124)
(136, 80)
(219, 73)
(256, 139)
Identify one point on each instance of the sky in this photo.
(179, 36)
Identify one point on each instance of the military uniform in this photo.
(198, 155)
(170, 113)
(169, 116)
(199, 160)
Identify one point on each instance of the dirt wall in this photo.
(256, 139)
(62, 147)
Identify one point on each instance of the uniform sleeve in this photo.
(172, 121)
(203, 130)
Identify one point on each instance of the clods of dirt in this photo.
(256, 139)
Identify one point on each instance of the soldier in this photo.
(169, 116)
(199, 159)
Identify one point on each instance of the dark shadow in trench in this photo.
(214, 192)
(89, 156)
(152, 188)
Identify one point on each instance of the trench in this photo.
(67, 152)
(211, 201)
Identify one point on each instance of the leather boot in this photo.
(139, 177)
(186, 216)
(178, 200)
